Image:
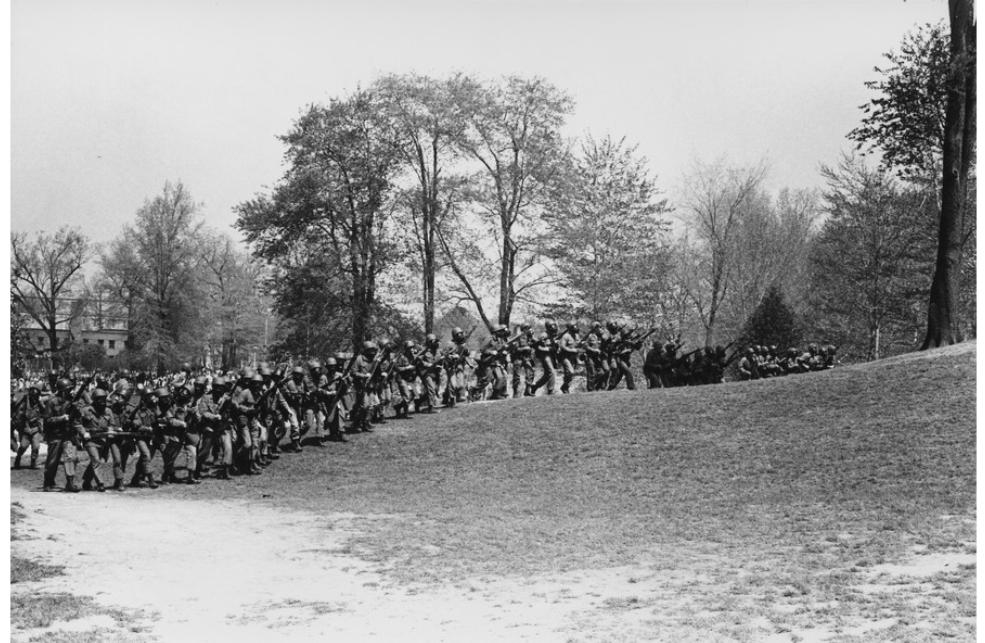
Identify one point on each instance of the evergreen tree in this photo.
(773, 322)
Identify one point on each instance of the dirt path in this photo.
(226, 571)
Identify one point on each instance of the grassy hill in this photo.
(796, 506)
(598, 479)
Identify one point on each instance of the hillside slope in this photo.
(593, 479)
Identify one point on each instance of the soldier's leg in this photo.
(191, 447)
(52, 461)
(204, 450)
(615, 373)
(170, 453)
(589, 374)
(93, 468)
(498, 373)
(24, 443)
(256, 432)
(431, 391)
(225, 462)
(70, 457)
(627, 371)
(568, 374)
(113, 452)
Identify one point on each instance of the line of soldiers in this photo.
(238, 424)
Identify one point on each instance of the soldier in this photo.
(362, 372)
(428, 369)
(568, 351)
(294, 393)
(211, 426)
(596, 363)
(59, 436)
(620, 365)
(521, 357)
(546, 351)
(492, 364)
(314, 416)
(275, 415)
(97, 424)
(171, 426)
(829, 356)
(405, 373)
(651, 365)
(380, 383)
(29, 419)
(456, 358)
(242, 405)
(331, 396)
(748, 367)
(143, 423)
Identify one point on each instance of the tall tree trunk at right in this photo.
(943, 325)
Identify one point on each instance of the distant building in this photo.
(101, 320)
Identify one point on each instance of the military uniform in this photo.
(546, 351)
(522, 360)
(60, 437)
(568, 348)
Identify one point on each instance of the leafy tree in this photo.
(943, 322)
(773, 322)
(154, 265)
(905, 122)
(871, 260)
(334, 202)
(513, 132)
(44, 272)
(606, 236)
(425, 123)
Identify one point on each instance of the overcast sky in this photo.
(111, 98)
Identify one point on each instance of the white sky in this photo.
(111, 98)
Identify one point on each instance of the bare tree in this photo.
(716, 197)
(44, 272)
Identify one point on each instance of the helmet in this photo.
(370, 346)
(34, 386)
(670, 346)
(456, 331)
(313, 364)
(99, 394)
(218, 383)
(64, 384)
(331, 361)
(186, 366)
(832, 349)
(549, 325)
(162, 394)
(709, 350)
(596, 324)
(792, 352)
(265, 371)
(571, 326)
(183, 391)
(247, 373)
(200, 381)
(524, 327)
(297, 370)
(720, 349)
(812, 347)
(256, 379)
(409, 343)
(498, 328)
(430, 338)
(263, 365)
(750, 351)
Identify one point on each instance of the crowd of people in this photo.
(239, 422)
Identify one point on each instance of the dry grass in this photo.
(780, 498)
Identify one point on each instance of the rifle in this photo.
(343, 386)
(376, 364)
(500, 352)
(683, 358)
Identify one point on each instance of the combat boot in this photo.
(70, 485)
(34, 463)
(100, 487)
(150, 481)
(191, 480)
(17, 461)
(118, 485)
(222, 474)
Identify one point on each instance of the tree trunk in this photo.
(943, 325)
